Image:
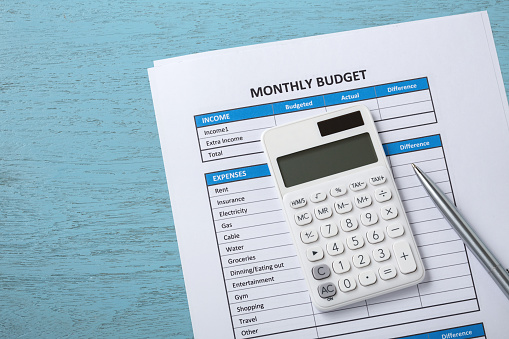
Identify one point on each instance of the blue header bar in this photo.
(312, 102)
(237, 174)
(464, 332)
(349, 96)
(401, 87)
(233, 115)
(412, 145)
(298, 105)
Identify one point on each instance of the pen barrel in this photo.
(467, 234)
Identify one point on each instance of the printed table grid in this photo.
(267, 292)
(237, 132)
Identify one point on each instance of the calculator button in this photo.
(314, 253)
(347, 284)
(317, 197)
(375, 236)
(329, 230)
(404, 257)
(338, 190)
(341, 266)
(369, 218)
(323, 212)
(377, 180)
(389, 212)
(326, 290)
(383, 194)
(308, 236)
(343, 206)
(381, 253)
(335, 248)
(395, 230)
(349, 224)
(367, 278)
(303, 218)
(387, 272)
(357, 185)
(298, 203)
(354, 242)
(361, 260)
(320, 272)
(362, 200)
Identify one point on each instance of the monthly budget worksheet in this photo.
(436, 94)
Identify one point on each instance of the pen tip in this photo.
(413, 165)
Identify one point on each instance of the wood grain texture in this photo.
(87, 242)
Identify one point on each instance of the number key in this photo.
(329, 230)
(361, 260)
(335, 248)
(354, 242)
(369, 218)
(349, 224)
(375, 236)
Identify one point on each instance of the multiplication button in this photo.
(389, 212)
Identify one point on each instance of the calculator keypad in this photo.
(354, 236)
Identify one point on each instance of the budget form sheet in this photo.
(435, 91)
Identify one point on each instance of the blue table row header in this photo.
(311, 102)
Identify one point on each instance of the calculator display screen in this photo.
(327, 159)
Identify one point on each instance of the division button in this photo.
(383, 194)
(320, 272)
(367, 278)
(314, 253)
(404, 257)
(326, 290)
(387, 272)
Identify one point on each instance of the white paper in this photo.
(435, 90)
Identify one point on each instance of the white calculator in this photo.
(343, 208)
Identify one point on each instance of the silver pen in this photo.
(467, 234)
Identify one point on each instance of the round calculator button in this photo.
(389, 212)
(329, 230)
(298, 202)
(343, 206)
(318, 196)
(308, 236)
(395, 230)
(381, 253)
(357, 185)
(387, 272)
(349, 224)
(335, 248)
(326, 290)
(383, 194)
(314, 253)
(341, 266)
(303, 218)
(347, 284)
(375, 235)
(369, 218)
(320, 272)
(377, 179)
(367, 278)
(361, 260)
(338, 190)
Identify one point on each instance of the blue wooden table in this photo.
(87, 241)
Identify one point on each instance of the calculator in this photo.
(346, 217)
